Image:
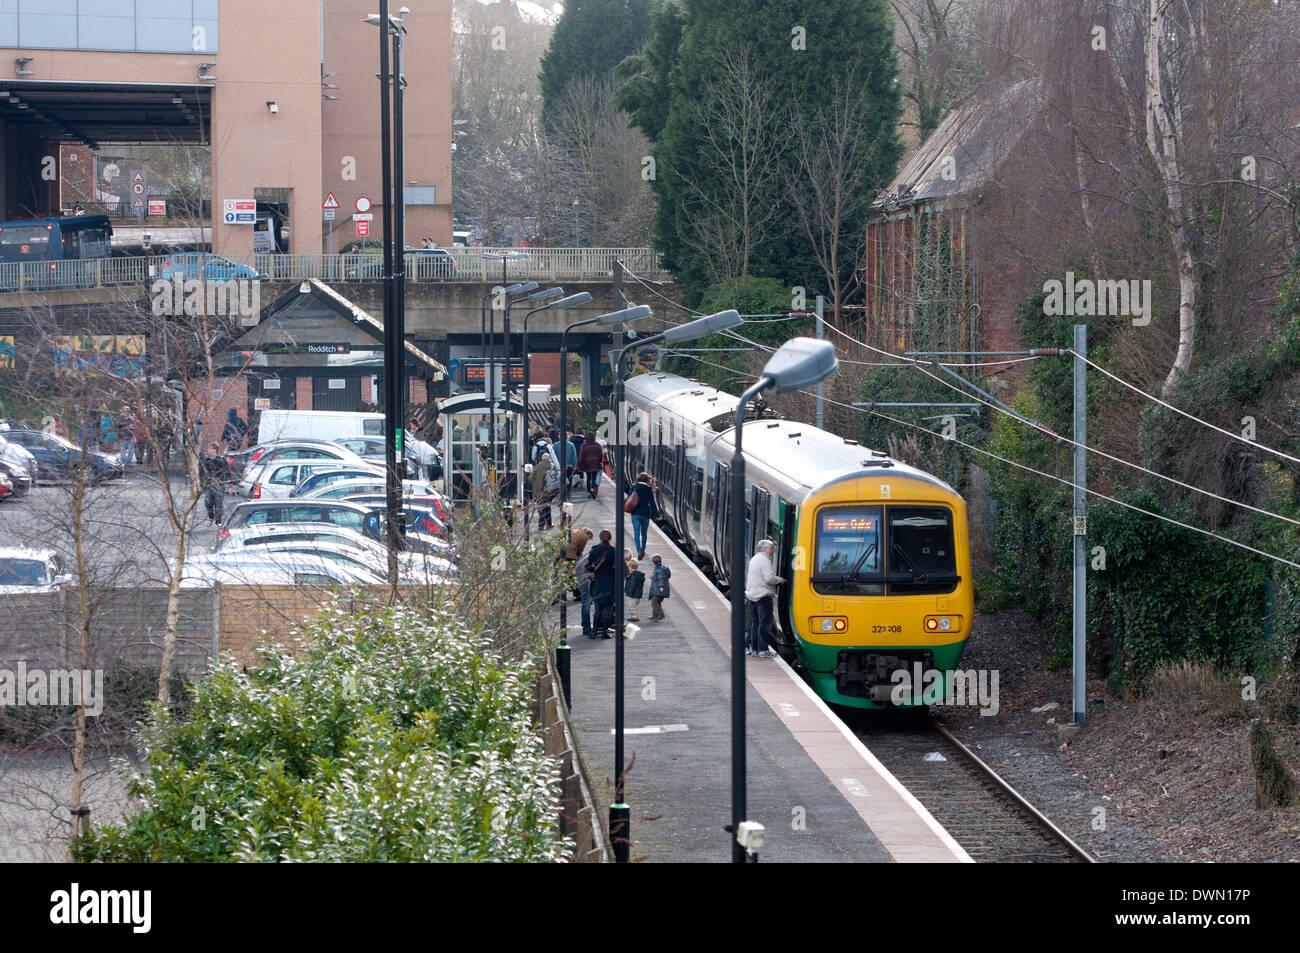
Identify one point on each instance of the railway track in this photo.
(981, 810)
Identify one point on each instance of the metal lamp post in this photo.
(390, 122)
(799, 363)
(620, 815)
(581, 297)
(546, 294)
(490, 375)
(614, 317)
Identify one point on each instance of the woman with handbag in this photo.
(641, 504)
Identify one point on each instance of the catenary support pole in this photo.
(1080, 524)
(821, 387)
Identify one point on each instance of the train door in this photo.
(722, 519)
(756, 525)
(782, 534)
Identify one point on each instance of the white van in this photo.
(317, 425)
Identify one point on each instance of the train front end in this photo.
(881, 596)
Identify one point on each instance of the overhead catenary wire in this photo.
(1164, 403)
(1070, 483)
(903, 360)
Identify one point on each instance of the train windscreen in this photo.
(914, 555)
(847, 556)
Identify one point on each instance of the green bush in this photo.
(397, 738)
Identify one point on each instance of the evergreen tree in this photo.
(590, 39)
(795, 46)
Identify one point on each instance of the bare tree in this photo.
(730, 212)
(837, 154)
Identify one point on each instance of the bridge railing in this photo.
(470, 265)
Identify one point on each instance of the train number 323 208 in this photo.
(886, 628)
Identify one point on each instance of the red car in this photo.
(6, 486)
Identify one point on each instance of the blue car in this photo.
(57, 456)
(201, 266)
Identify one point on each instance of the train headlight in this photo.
(831, 623)
(942, 623)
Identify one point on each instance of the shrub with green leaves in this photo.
(397, 738)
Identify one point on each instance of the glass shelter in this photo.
(471, 464)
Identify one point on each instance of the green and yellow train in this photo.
(876, 553)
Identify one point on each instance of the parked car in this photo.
(413, 491)
(421, 264)
(6, 486)
(412, 569)
(433, 523)
(331, 425)
(203, 266)
(261, 534)
(17, 464)
(31, 570)
(297, 450)
(58, 456)
(268, 569)
(326, 478)
(295, 511)
(279, 478)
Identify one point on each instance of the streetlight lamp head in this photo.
(582, 297)
(700, 327)
(635, 313)
(546, 294)
(521, 288)
(800, 363)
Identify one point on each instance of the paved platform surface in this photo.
(820, 794)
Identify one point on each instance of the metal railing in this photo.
(542, 264)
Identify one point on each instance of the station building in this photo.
(283, 93)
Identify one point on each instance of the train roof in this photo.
(801, 453)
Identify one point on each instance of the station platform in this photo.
(817, 790)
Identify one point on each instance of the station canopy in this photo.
(107, 112)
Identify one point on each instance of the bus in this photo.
(31, 251)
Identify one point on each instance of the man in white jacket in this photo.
(760, 589)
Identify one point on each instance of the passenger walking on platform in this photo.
(604, 586)
(643, 511)
(760, 589)
(590, 460)
(545, 482)
(634, 589)
(658, 588)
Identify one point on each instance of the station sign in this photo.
(239, 211)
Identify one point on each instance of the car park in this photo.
(31, 570)
(57, 457)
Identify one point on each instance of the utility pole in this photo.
(821, 391)
(1080, 524)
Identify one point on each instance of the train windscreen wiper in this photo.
(852, 574)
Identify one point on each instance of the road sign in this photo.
(138, 204)
(329, 215)
(330, 201)
(137, 188)
(137, 177)
(363, 204)
(363, 217)
(363, 229)
(157, 206)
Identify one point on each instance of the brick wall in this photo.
(304, 393)
(417, 392)
(544, 369)
(366, 396)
